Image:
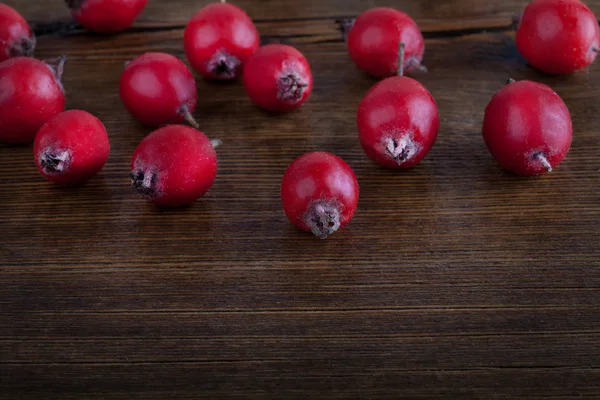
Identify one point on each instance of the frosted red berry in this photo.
(527, 128)
(106, 16)
(319, 193)
(558, 36)
(219, 39)
(398, 120)
(174, 165)
(16, 37)
(278, 78)
(71, 148)
(158, 89)
(374, 39)
(30, 94)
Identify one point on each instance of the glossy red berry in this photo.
(30, 94)
(374, 40)
(527, 128)
(219, 39)
(106, 16)
(158, 89)
(558, 36)
(278, 78)
(71, 148)
(174, 165)
(319, 193)
(398, 122)
(16, 37)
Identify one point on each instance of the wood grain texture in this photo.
(454, 279)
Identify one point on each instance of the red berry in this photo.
(106, 16)
(158, 89)
(319, 193)
(219, 39)
(174, 165)
(558, 36)
(375, 37)
(30, 94)
(278, 78)
(71, 148)
(527, 128)
(16, 37)
(398, 121)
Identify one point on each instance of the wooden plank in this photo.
(283, 323)
(290, 289)
(273, 379)
(527, 350)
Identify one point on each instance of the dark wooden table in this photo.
(454, 278)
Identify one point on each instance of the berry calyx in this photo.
(223, 66)
(174, 165)
(527, 128)
(57, 66)
(291, 87)
(323, 218)
(145, 183)
(219, 39)
(55, 161)
(375, 37)
(71, 148)
(16, 37)
(319, 193)
(402, 149)
(106, 16)
(159, 89)
(558, 36)
(22, 48)
(278, 78)
(33, 94)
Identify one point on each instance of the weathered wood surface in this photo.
(454, 278)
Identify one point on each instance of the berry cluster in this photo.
(527, 127)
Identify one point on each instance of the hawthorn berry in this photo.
(374, 39)
(159, 89)
(278, 78)
(174, 165)
(71, 147)
(319, 193)
(558, 36)
(398, 121)
(31, 93)
(106, 16)
(527, 128)
(219, 39)
(16, 37)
